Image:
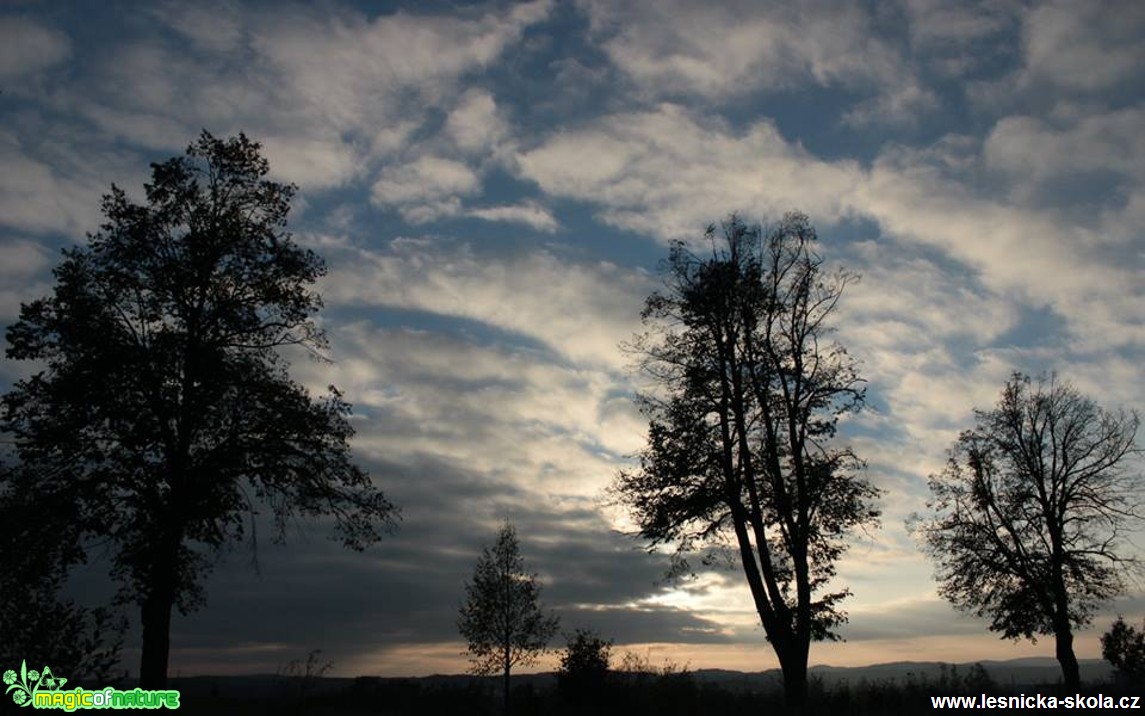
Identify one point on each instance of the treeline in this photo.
(655, 692)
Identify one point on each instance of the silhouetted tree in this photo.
(163, 412)
(502, 618)
(37, 624)
(748, 393)
(1027, 518)
(1124, 648)
(584, 666)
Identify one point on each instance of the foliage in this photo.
(36, 623)
(586, 654)
(163, 412)
(747, 395)
(1124, 648)
(1027, 518)
(502, 619)
(584, 665)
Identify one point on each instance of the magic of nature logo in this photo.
(44, 690)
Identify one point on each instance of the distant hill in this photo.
(1015, 672)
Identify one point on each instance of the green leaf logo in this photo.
(28, 683)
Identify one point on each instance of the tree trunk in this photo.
(1063, 634)
(505, 708)
(156, 639)
(793, 663)
(1067, 659)
(156, 615)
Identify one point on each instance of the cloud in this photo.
(323, 122)
(665, 171)
(529, 213)
(475, 124)
(724, 50)
(1093, 47)
(933, 22)
(908, 618)
(23, 270)
(582, 311)
(212, 27)
(21, 258)
(1068, 53)
(1043, 260)
(28, 47)
(425, 189)
(454, 397)
(52, 185)
(1090, 159)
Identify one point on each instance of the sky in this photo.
(493, 186)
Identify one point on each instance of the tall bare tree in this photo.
(1027, 521)
(162, 412)
(747, 393)
(502, 619)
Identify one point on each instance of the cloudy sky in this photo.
(493, 185)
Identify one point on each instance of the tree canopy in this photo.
(162, 414)
(1027, 522)
(502, 618)
(747, 390)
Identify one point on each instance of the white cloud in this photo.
(315, 162)
(425, 189)
(1033, 150)
(580, 310)
(669, 172)
(906, 301)
(723, 50)
(27, 46)
(473, 404)
(474, 123)
(365, 62)
(1042, 259)
(1070, 52)
(425, 178)
(948, 279)
(528, 213)
(330, 93)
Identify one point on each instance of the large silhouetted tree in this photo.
(161, 413)
(1026, 522)
(501, 618)
(747, 392)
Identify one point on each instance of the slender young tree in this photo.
(1026, 524)
(162, 413)
(502, 618)
(747, 392)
